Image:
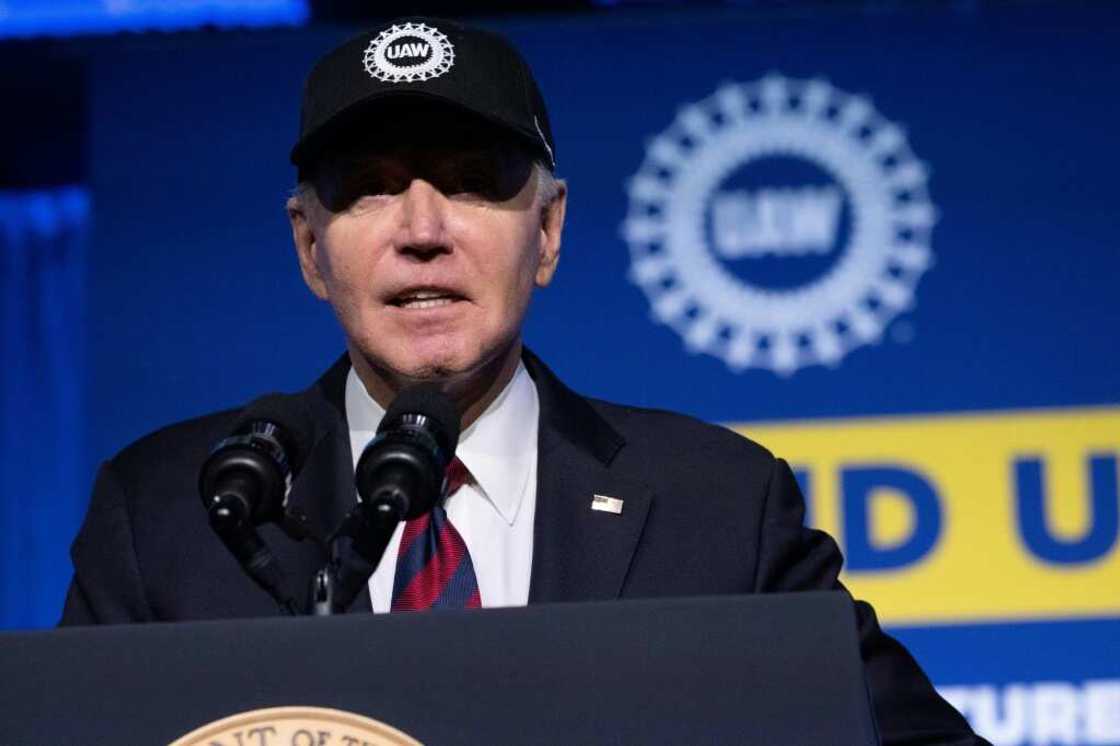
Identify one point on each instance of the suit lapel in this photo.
(579, 553)
(323, 491)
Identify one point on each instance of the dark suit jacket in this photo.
(706, 512)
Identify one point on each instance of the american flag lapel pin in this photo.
(606, 504)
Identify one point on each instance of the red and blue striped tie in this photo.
(434, 568)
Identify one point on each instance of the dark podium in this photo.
(767, 669)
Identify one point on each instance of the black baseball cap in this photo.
(431, 59)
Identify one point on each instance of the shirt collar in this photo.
(499, 448)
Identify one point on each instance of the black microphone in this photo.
(402, 469)
(400, 475)
(245, 482)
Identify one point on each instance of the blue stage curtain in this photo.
(43, 487)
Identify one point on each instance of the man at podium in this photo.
(426, 214)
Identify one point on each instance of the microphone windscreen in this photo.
(428, 401)
(294, 424)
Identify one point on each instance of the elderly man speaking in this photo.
(426, 214)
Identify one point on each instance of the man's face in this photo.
(428, 241)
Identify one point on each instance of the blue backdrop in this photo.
(994, 303)
(43, 481)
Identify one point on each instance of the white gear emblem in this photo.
(681, 228)
(429, 55)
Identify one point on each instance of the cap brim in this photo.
(318, 140)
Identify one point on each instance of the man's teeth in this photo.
(426, 301)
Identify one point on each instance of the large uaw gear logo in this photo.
(778, 224)
(409, 53)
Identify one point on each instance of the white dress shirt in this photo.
(494, 513)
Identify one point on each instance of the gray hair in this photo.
(548, 185)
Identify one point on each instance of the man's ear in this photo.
(552, 226)
(303, 235)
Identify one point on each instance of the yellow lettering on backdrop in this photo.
(1024, 522)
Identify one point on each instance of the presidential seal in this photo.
(409, 53)
(779, 224)
(296, 726)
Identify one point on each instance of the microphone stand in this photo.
(233, 527)
(357, 547)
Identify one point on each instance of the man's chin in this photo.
(451, 367)
(451, 362)
(444, 368)
(431, 373)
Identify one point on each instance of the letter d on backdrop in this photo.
(861, 486)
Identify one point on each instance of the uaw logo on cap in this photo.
(408, 53)
(779, 224)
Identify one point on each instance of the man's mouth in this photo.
(420, 299)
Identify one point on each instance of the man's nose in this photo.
(423, 214)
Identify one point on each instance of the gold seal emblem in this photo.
(296, 726)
